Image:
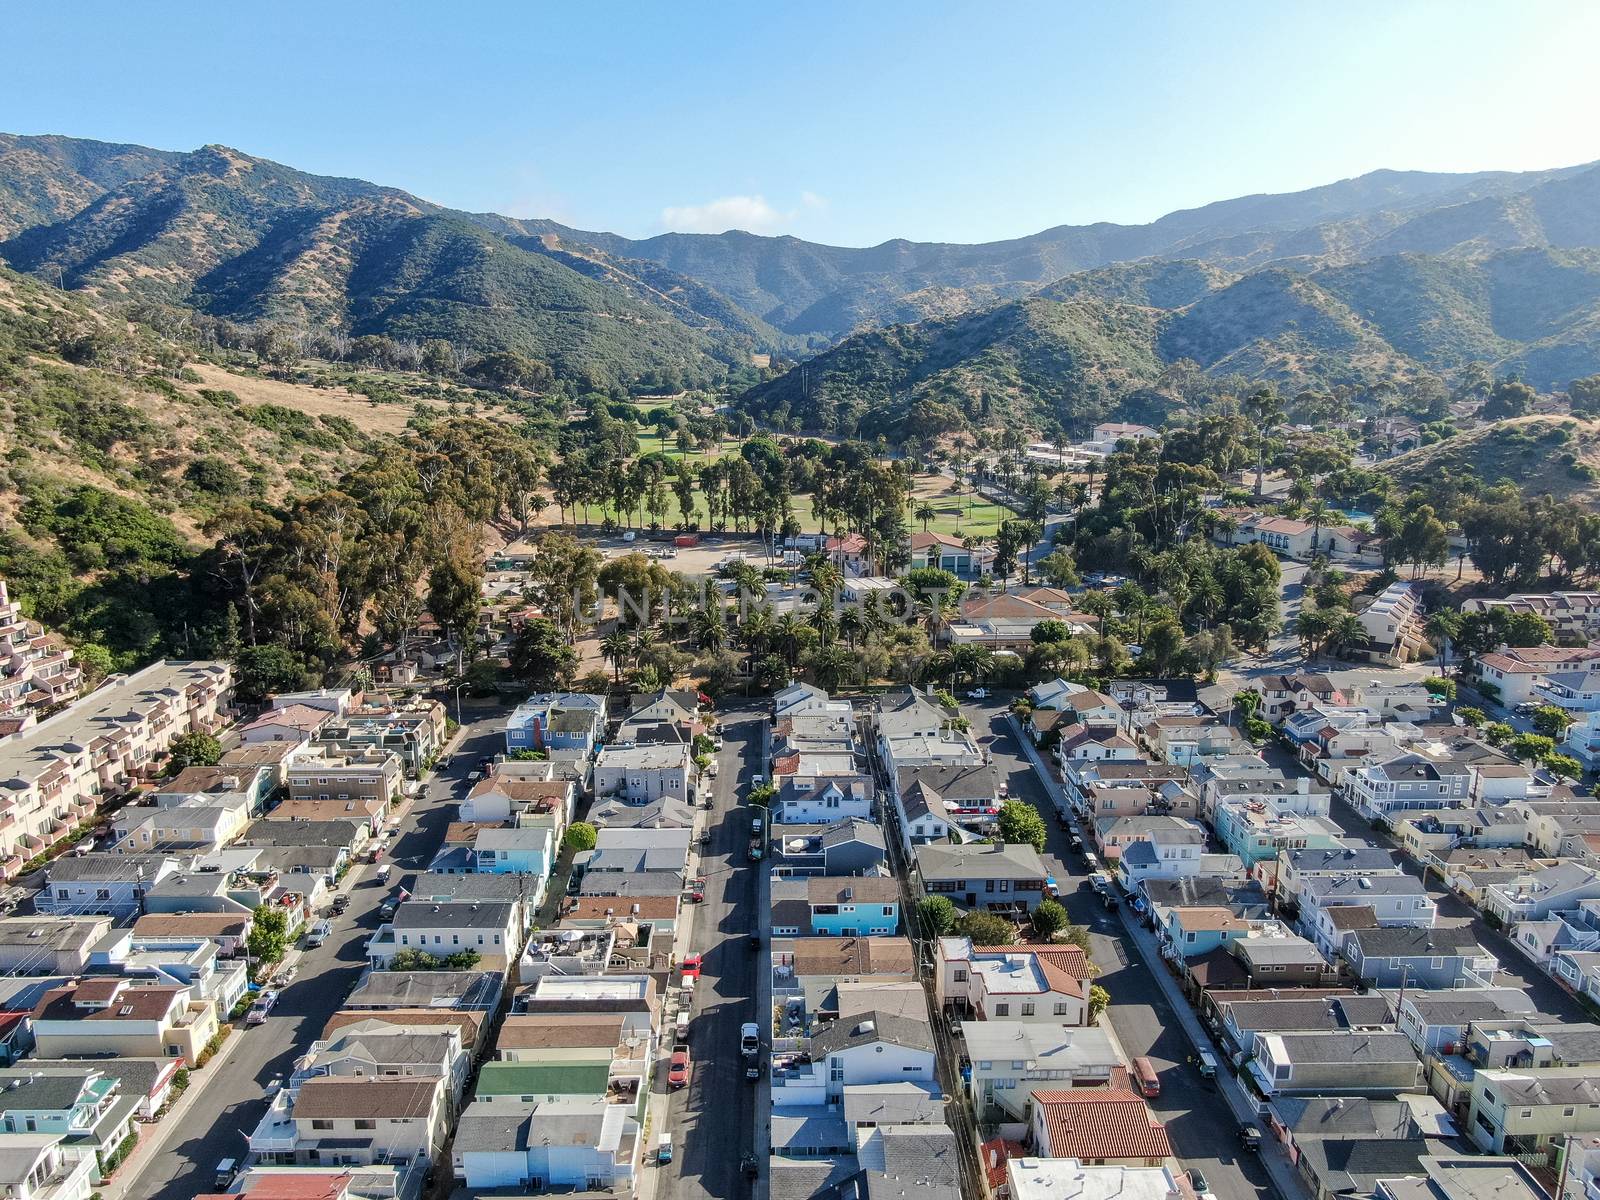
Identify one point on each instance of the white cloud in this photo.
(750, 213)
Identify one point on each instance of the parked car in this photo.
(318, 933)
(978, 693)
(678, 1069)
(1250, 1137)
(757, 780)
(696, 889)
(750, 1039)
(226, 1169)
(755, 852)
(1197, 1181)
(750, 1167)
(691, 965)
(262, 1007)
(341, 902)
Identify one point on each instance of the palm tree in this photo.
(1346, 631)
(851, 626)
(1442, 628)
(617, 647)
(925, 512)
(1317, 512)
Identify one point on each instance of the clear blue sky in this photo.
(845, 123)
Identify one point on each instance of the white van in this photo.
(318, 933)
(683, 1026)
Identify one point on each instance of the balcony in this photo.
(276, 1132)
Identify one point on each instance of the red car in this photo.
(691, 965)
(678, 1072)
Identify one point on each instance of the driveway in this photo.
(713, 1118)
(1202, 1130)
(185, 1164)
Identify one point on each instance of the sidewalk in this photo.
(152, 1138)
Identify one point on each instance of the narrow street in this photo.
(236, 1097)
(713, 1118)
(1202, 1130)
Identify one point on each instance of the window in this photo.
(961, 975)
(1027, 1008)
(320, 1123)
(1002, 1010)
(1061, 1008)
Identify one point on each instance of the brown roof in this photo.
(596, 908)
(467, 831)
(862, 889)
(199, 924)
(348, 1096)
(296, 716)
(852, 956)
(1210, 917)
(1352, 916)
(128, 1004)
(545, 1031)
(466, 1021)
(257, 754)
(523, 789)
(1097, 1124)
(327, 810)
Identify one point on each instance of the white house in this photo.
(823, 800)
(643, 774)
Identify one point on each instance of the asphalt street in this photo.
(712, 1120)
(1203, 1132)
(236, 1098)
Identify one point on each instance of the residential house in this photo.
(582, 721)
(1285, 694)
(193, 785)
(296, 723)
(113, 885)
(80, 1104)
(1524, 1112)
(40, 1166)
(981, 875)
(501, 797)
(1012, 1058)
(1244, 1015)
(1098, 1127)
(1024, 983)
(492, 930)
(1352, 858)
(343, 1119)
(806, 699)
(1175, 837)
(1272, 959)
(915, 730)
(1399, 956)
(321, 773)
(227, 930)
(568, 1144)
(1511, 675)
(1394, 900)
(865, 906)
(933, 800)
(115, 1016)
(819, 801)
(858, 1048)
(1536, 895)
(1022, 1177)
(1439, 1022)
(642, 774)
(1345, 1062)
(846, 847)
(1188, 931)
(1259, 832)
(57, 945)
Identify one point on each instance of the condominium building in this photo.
(36, 668)
(52, 774)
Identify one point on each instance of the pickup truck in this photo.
(318, 933)
(750, 1039)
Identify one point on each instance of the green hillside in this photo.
(1559, 456)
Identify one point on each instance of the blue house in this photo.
(527, 850)
(853, 906)
(1190, 931)
(566, 721)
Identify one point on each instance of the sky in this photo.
(843, 123)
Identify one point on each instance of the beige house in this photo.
(350, 1120)
(1023, 983)
(119, 1018)
(1521, 1111)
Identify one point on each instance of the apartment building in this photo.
(1407, 783)
(53, 773)
(1393, 625)
(326, 773)
(36, 668)
(1573, 616)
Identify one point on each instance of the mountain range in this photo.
(1392, 273)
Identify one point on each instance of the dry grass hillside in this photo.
(1542, 454)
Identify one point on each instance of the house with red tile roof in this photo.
(1098, 1127)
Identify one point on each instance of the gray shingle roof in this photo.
(853, 1030)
